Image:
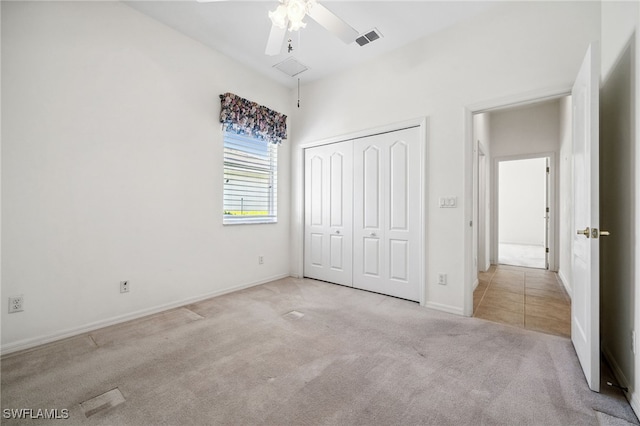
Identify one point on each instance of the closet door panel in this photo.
(371, 187)
(401, 194)
(371, 258)
(315, 177)
(336, 187)
(398, 260)
(398, 196)
(394, 209)
(337, 253)
(315, 252)
(329, 213)
(368, 211)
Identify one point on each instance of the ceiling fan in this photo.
(289, 15)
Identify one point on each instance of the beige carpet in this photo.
(305, 352)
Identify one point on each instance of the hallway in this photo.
(525, 255)
(533, 299)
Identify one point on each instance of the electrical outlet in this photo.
(260, 260)
(442, 279)
(16, 304)
(124, 286)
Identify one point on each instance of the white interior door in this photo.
(585, 302)
(329, 213)
(387, 213)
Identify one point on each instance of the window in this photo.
(250, 180)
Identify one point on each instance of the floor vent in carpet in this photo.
(294, 315)
(102, 402)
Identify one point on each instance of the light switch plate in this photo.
(448, 202)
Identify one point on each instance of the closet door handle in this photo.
(338, 231)
(373, 234)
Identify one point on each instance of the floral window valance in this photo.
(244, 117)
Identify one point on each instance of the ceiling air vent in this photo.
(291, 67)
(369, 37)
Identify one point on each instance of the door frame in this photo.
(298, 188)
(551, 196)
(526, 98)
(483, 256)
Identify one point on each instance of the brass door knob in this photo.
(595, 233)
(586, 232)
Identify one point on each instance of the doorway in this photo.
(517, 213)
(523, 212)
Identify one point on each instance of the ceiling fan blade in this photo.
(333, 23)
(276, 39)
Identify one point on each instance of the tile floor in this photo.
(533, 299)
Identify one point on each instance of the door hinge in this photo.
(547, 209)
(547, 250)
(547, 169)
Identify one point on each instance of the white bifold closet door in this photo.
(328, 243)
(387, 211)
(362, 213)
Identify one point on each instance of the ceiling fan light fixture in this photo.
(290, 13)
(296, 25)
(296, 10)
(279, 16)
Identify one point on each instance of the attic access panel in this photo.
(291, 67)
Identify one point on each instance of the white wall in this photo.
(498, 54)
(112, 169)
(522, 195)
(619, 181)
(530, 129)
(565, 195)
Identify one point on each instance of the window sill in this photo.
(249, 221)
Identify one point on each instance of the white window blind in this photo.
(250, 180)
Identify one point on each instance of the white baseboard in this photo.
(445, 308)
(475, 283)
(565, 282)
(75, 331)
(631, 395)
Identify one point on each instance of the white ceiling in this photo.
(240, 29)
